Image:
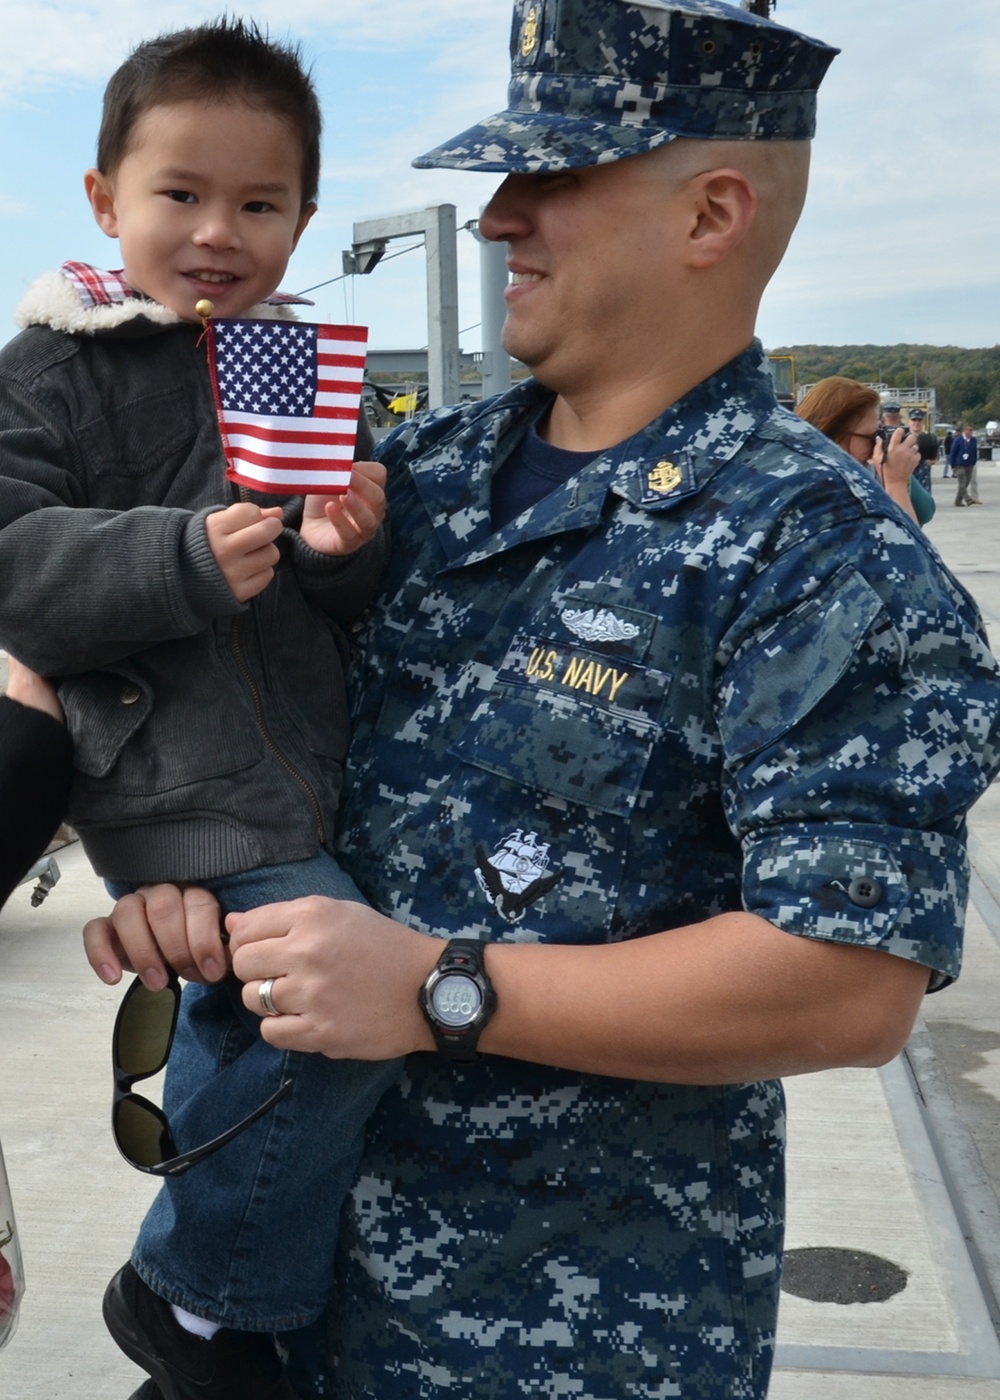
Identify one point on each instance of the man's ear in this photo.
(308, 210)
(725, 203)
(101, 194)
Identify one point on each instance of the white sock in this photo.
(200, 1326)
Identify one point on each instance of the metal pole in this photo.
(442, 306)
(496, 365)
(437, 224)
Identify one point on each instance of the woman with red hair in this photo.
(847, 413)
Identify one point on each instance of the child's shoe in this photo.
(181, 1365)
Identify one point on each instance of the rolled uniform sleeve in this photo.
(858, 730)
(902, 892)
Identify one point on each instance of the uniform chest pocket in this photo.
(781, 677)
(568, 721)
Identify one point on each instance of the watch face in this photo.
(456, 1000)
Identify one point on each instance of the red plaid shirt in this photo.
(98, 288)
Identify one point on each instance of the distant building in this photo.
(906, 398)
(782, 369)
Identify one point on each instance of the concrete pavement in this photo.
(902, 1165)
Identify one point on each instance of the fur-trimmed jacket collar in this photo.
(82, 300)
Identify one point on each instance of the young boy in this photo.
(201, 669)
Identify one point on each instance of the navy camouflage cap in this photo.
(595, 80)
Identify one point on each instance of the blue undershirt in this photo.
(533, 470)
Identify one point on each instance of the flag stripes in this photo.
(288, 397)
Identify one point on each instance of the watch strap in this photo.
(464, 957)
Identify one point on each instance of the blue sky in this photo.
(898, 241)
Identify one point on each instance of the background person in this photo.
(928, 445)
(891, 417)
(36, 755)
(622, 594)
(36, 758)
(847, 413)
(962, 459)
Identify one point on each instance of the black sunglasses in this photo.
(140, 1045)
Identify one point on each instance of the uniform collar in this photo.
(679, 452)
(666, 462)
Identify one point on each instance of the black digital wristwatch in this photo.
(458, 999)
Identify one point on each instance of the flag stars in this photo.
(266, 367)
(269, 381)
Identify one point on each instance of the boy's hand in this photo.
(342, 524)
(241, 538)
(159, 924)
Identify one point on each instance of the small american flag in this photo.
(288, 397)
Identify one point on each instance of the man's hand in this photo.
(342, 524)
(346, 978)
(241, 538)
(159, 924)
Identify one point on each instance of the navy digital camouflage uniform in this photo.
(595, 80)
(718, 669)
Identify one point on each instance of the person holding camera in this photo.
(847, 413)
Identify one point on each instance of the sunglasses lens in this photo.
(142, 1133)
(144, 1029)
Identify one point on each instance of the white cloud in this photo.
(896, 242)
(49, 42)
(897, 237)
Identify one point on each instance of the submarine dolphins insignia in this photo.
(602, 626)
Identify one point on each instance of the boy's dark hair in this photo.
(229, 57)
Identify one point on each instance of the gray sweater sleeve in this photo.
(342, 586)
(82, 586)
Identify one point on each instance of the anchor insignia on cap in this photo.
(529, 34)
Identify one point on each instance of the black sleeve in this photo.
(36, 760)
(364, 442)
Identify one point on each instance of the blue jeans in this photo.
(247, 1237)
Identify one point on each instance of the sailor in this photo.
(750, 776)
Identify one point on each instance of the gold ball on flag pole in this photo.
(204, 308)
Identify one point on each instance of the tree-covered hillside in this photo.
(967, 381)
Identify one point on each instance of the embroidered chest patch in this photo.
(516, 874)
